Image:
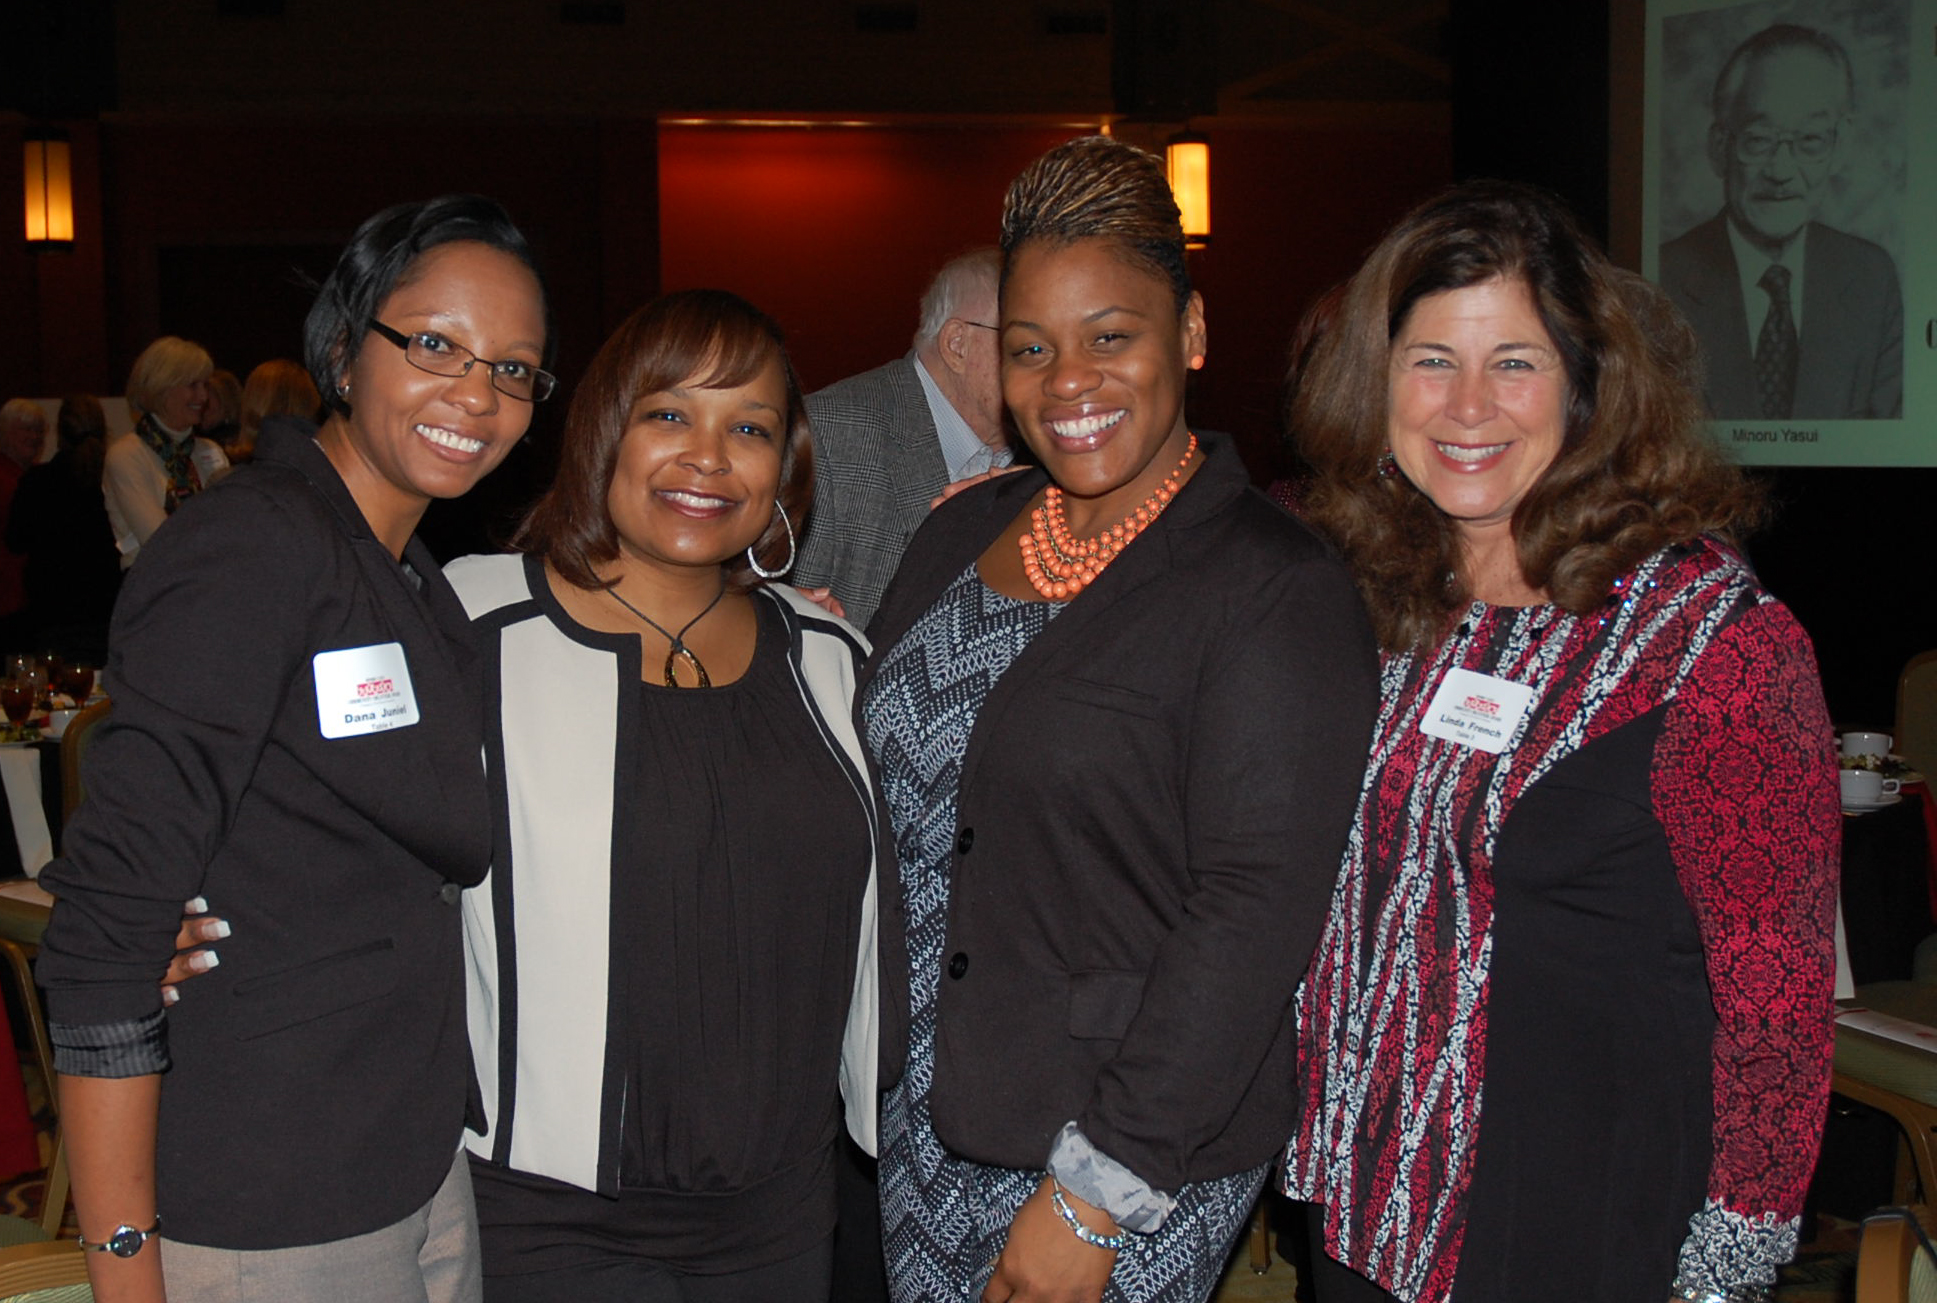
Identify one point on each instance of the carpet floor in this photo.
(1824, 1272)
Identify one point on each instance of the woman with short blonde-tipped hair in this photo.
(154, 467)
(1109, 702)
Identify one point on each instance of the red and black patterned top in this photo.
(1567, 1033)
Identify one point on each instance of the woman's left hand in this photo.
(192, 957)
(1044, 1262)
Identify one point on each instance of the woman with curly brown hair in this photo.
(1567, 1032)
(1083, 670)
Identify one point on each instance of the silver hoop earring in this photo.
(788, 564)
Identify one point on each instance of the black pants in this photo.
(860, 1275)
(799, 1279)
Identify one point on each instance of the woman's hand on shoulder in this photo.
(1044, 1262)
(192, 955)
(950, 490)
(825, 599)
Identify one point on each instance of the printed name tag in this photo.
(1477, 710)
(363, 690)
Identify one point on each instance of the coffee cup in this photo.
(58, 720)
(1866, 744)
(1865, 787)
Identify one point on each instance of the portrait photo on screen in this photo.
(1783, 173)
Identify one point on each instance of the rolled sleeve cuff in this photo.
(136, 1047)
(1099, 1180)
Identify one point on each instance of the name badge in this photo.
(363, 690)
(1477, 710)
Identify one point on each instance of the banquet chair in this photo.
(74, 744)
(1899, 1080)
(36, 1264)
(51, 1272)
(1916, 734)
(1894, 1263)
(19, 963)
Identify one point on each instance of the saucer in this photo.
(1881, 803)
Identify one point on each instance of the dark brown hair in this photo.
(1635, 471)
(82, 429)
(381, 257)
(711, 334)
(1096, 187)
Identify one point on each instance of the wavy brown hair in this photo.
(1635, 471)
(712, 334)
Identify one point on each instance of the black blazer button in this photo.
(964, 840)
(958, 965)
(449, 893)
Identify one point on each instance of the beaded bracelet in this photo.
(1114, 1243)
(1739, 1294)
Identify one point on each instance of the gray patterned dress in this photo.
(944, 1218)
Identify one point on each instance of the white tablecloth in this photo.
(20, 773)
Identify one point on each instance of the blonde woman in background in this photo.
(153, 467)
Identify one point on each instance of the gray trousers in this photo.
(430, 1256)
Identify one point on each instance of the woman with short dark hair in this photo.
(672, 960)
(1567, 1032)
(296, 739)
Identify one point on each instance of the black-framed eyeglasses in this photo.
(429, 351)
(1754, 146)
(983, 324)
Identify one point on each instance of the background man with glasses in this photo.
(887, 441)
(1798, 320)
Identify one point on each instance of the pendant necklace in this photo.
(679, 648)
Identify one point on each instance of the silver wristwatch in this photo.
(124, 1243)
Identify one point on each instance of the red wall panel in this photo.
(835, 232)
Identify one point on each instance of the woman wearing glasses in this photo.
(296, 737)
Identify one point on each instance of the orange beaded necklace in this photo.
(1058, 566)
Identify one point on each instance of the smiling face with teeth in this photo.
(181, 406)
(1476, 406)
(412, 436)
(698, 470)
(1094, 359)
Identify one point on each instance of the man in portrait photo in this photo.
(1798, 320)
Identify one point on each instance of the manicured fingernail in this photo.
(203, 960)
(199, 905)
(216, 930)
(169, 995)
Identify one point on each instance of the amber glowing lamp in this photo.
(50, 194)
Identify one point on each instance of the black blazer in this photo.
(321, 1072)
(1153, 806)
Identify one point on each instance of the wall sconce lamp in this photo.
(50, 193)
(1187, 160)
